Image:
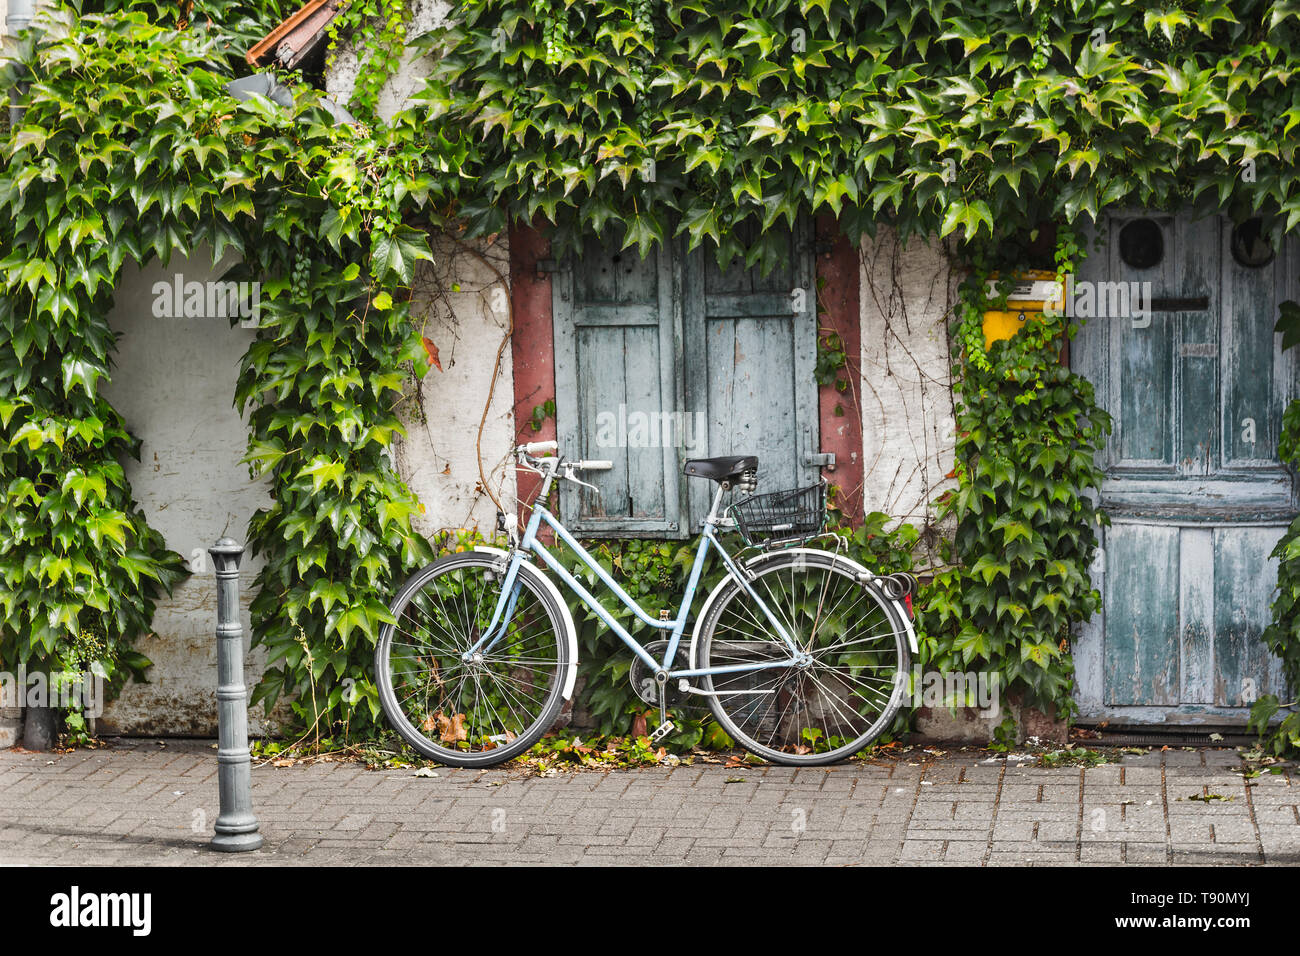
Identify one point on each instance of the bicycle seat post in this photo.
(715, 516)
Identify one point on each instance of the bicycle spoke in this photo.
(835, 703)
(455, 708)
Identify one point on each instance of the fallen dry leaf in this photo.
(451, 730)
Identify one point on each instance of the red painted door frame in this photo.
(532, 344)
(839, 314)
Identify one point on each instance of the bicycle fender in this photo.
(571, 632)
(864, 574)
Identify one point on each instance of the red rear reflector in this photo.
(908, 601)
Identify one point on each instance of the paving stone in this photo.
(136, 803)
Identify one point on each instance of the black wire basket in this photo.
(781, 515)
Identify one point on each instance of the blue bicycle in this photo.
(802, 654)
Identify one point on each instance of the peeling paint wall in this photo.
(907, 412)
(174, 382)
(461, 306)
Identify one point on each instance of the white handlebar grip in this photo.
(593, 465)
(538, 447)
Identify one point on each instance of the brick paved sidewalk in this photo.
(142, 802)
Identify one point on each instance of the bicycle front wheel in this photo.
(462, 706)
(843, 699)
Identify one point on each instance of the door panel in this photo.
(615, 327)
(1195, 256)
(752, 395)
(1245, 578)
(1142, 615)
(1194, 589)
(673, 357)
(1253, 402)
(1146, 390)
(1142, 359)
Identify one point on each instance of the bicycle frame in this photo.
(504, 610)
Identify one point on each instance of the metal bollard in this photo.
(236, 826)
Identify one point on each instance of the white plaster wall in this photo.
(461, 306)
(907, 412)
(174, 382)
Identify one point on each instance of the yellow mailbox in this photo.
(1033, 288)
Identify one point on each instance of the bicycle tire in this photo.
(414, 731)
(742, 714)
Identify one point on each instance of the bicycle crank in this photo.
(642, 678)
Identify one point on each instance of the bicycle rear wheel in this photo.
(844, 699)
(490, 707)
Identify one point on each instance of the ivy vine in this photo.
(375, 33)
(1282, 636)
(1028, 430)
(156, 159)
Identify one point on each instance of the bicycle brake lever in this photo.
(526, 465)
(568, 476)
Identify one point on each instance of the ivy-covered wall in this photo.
(977, 125)
(901, 389)
(453, 449)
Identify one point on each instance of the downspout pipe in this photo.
(19, 17)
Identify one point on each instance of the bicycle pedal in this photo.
(662, 731)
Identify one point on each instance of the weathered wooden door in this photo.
(1193, 375)
(617, 322)
(751, 358)
(671, 357)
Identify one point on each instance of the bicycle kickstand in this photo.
(665, 725)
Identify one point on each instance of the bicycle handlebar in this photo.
(598, 465)
(539, 447)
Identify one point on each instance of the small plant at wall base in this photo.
(1281, 737)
